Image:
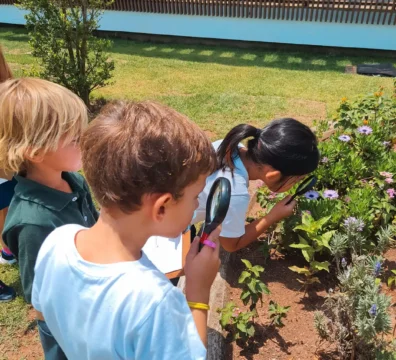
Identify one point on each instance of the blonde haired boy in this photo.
(40, 128)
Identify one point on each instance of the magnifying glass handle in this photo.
(204, 237)
(291, 199)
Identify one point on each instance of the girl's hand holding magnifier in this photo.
(282, 209)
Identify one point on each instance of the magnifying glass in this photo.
(304, 187)
(217, 206)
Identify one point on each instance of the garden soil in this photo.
(298, 339)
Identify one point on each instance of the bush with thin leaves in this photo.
(62, 37)
(355, 317)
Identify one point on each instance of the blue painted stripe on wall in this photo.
(275, 31)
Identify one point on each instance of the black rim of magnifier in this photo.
(224, 203)
(304, 187)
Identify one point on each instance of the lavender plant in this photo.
(357, 316)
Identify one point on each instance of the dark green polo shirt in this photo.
(35, 211)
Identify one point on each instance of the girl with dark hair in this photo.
(280, 155)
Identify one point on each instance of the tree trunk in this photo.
(85, 97)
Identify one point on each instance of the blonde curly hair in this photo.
(34, 115)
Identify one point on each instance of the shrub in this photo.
(62, 37)
(356, 316)
(355, 180)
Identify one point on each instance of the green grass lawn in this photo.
(215, 86)
(220, 87)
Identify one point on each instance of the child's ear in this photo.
(161, 203)
(34, 157)
(273, 176)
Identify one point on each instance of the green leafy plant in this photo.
(277, 313)
(253, 287)
(62, 37)
(239, 324)
(359, 164)
(392, 279)
(349, 218)
(313, 239)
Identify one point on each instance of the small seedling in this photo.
(253, 287)
(239, 324)
(392, 279)
(277, 313)
(265, 249)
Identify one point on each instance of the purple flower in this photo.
(391, 193)
(350, 220)
(347, 199)
(365, 130)
(386, 143)
(345, 138)
(325, 160)
(353, 224)
(386, 174)
(389, 180)
(330, 194)
(311, 195)
(272, 196)
(344, 263)
(373, 310)
(259, 184)
(377, 268)
(236, 312)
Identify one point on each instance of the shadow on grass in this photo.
(14, 33)
(231, 56)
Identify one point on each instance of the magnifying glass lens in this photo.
(216, 206)
(304, 187)
(215, 203)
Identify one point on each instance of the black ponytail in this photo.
(228, 151)
(285, 144)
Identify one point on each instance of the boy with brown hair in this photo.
(40, 127)
(146, 165)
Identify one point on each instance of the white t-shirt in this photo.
(127, 310)
(234, 223)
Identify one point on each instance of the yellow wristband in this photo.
(199, 306)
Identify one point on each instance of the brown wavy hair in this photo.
(132, 149)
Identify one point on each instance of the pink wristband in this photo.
(210, 244)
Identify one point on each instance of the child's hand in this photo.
(281, 210)
(201, 269)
